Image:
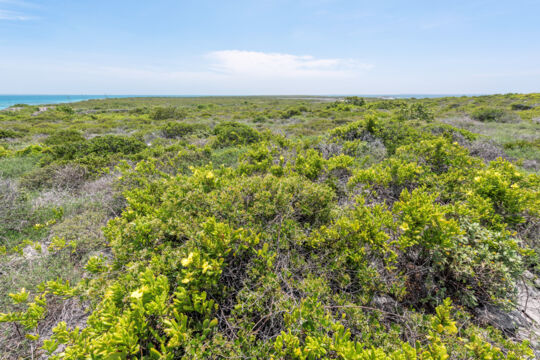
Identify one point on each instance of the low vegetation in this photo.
(271, 228)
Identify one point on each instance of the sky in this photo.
(269, 47)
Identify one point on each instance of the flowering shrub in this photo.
(296, 252)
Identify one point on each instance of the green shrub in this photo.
(391, 132)
(416, 112)
(520, 144)
(65, 109)
(521, 107)
(257, 159)
(309, 164)
(31, 150)
(99, 146)
(248, 244)
(169, 112)
(289, 113)
(386, 104)
(452, 133)
(507, 191)
(488, 114)
(139, 110)
(484, 263)
(4, 153)
(355, 100)
(392, 175)
(339, 106)
(64, 136)
(7, 133)
(259, 119)
(233, 133)
(180, 130)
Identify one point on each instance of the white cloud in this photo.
(265, 65)
(230, 72)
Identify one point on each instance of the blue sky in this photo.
(269, 47)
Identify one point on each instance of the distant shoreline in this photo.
(7, 100)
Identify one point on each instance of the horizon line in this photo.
(263, 95)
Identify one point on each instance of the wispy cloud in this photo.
(19, 3)
(14, 15)
(228, 72)
(7, 12)
(265, 64)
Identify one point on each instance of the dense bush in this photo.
(521, 107)
(415, 111)
(355, 100)
(289, 113)
(379, 239)
(169, 112)
(392, 133)
(64, 136)
(233, 133)
(256, 256)
(340, 106)
(65, 109)
(386, 104)
(100, 146)
(488, 114)
(7, 133)
(94, 156)
(523, 144)
(180, 130)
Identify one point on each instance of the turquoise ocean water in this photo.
(10, 100)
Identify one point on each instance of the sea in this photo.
(10, 100)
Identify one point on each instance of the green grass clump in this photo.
(13, 167)
(7, 133)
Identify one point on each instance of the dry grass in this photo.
(87, 207)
